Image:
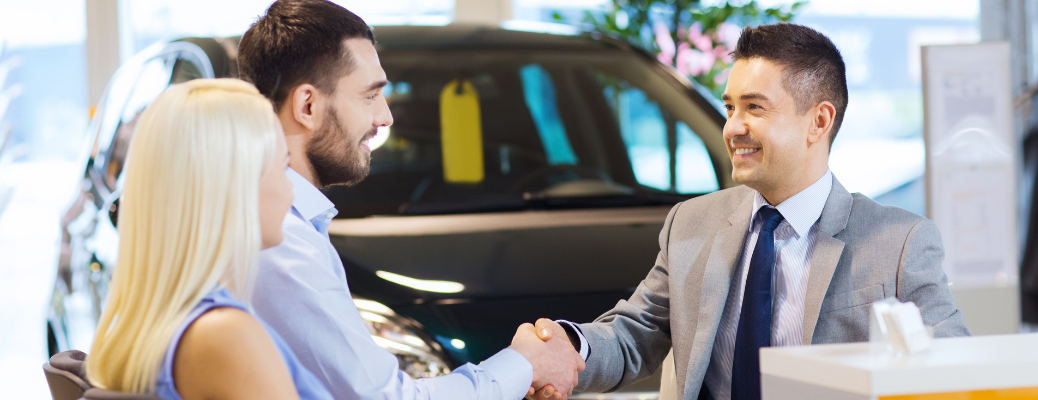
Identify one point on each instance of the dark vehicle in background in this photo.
(586, 145)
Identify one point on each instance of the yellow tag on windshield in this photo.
(461, 133)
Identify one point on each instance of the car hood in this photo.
(499, 254)
(515, 267)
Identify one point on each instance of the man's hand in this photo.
(555, 362)
(546, 329)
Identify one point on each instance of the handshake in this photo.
(555, 361)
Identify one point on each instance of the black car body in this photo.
(587, 143)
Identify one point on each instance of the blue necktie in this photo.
(754, 329)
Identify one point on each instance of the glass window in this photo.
(557, 132)
(644, 128)
(644, 132)
(695, 171)
(539, 93)
(184, 69)
(43, 100)
(884, 118)
(155, 20)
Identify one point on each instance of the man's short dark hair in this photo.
(297, 42)
(813, 70)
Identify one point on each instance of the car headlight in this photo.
(420, 356)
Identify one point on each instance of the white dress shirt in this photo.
(794, 244)
(301, 291)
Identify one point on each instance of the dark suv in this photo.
(586, 145)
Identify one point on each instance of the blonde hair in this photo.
(188, 221)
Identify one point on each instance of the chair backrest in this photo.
(102, 394)
(66, 375)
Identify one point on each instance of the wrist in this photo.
(571, 336)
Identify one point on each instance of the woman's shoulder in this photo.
(223, 329)
(226, 344)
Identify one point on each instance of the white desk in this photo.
(984, 367)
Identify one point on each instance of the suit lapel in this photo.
(827, 252)
(725, 254)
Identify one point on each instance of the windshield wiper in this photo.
(532, 201)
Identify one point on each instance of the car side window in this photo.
(644, 132)
(695, 171)
(665, 153)
(152, 81)
(185, 69)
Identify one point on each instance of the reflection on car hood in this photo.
(500, 254)
(515, 267)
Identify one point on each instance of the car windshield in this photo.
(559, 129)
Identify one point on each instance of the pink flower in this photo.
(665, 59)
(695, 31)
(665, 43)
(723, 52)
(728, 34)
(698, 39)
(722, 76)
(693, 62)
(704, 44)
(682, 61)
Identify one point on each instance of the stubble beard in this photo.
(337, 160)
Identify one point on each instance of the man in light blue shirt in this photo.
(317, 63)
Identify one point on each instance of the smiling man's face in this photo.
(339, 151)
(766, 138)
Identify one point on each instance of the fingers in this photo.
(547, 347)
(545, 392)
(545, 328)
(523, 330)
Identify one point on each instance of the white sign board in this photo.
(971, 164)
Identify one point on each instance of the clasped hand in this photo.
(555, 361)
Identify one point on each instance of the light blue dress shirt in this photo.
(301, 291)
(794, 244)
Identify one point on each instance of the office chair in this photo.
(66, 375)
(102, 394)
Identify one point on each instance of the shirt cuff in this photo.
(512, 372)
(585, 349)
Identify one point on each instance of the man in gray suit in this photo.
(791, 258)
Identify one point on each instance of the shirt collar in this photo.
(804, 208)
(309, 201)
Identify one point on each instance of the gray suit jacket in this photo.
(864, 252)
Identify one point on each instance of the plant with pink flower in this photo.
(696, 40)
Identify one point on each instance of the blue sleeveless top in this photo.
(306, 383)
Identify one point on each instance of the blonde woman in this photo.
(205, 190)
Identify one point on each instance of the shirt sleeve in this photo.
(583, 348)
(299, 293)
